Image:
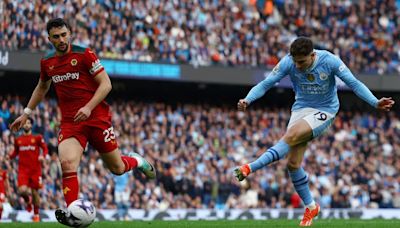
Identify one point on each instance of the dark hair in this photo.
(302, 46)
(55, 23)
(31, 119)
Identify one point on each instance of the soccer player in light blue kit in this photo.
(312, 73)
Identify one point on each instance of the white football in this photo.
(82, 212)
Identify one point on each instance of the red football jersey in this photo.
(27, 147)
(3, 178)
(73, 78)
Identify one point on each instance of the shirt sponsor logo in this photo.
(314, 89)
(65, 77)
(25, 148)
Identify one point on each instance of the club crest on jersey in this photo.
(51, 67)
(323, 76)
(310, 77)
(32, 140)
(74, 62)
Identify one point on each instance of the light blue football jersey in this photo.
(315, 87)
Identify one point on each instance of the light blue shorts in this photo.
(318, 120)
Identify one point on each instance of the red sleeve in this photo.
(42, 144)
(15, 151)
(92, 62)
(43, 73)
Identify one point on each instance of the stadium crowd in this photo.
(252, 33)
(195, 146)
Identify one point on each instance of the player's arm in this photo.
(279, 72)
(43, 146)
(359, 88)
(101, 78)
(101, 93)
(38, 94)
(14, 153)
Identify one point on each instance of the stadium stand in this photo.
(202, 33)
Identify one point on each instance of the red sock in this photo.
(70, 187)
(36, 209)
(1, 212)
(130, 163)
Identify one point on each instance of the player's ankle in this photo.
(312, 205)
(139, 161)
(246, 170)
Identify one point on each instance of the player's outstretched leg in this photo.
(144, 166)
(273, 154)
(309, 214)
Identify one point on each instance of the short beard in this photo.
(63, 51)
(27, 130)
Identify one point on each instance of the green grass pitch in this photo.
(342, 223)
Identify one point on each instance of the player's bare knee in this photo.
(291, 138)
(23, 190)
(68, 166)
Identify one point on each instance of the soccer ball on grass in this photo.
(82, 212)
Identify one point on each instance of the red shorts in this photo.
(33, 181)
(99, 134)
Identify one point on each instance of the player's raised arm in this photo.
(358, 87)
(38, 94)
(279, 72)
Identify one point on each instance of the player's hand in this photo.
(385, 103)
(242, 105)
(82, 114)
(41, 158)
(18, 123)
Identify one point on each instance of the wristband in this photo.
(27, 111)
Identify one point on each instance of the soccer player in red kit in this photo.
(81, 84)
(31, 150)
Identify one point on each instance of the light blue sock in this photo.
(274, 153)
(300, 182)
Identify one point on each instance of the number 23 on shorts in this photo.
(109, 134)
